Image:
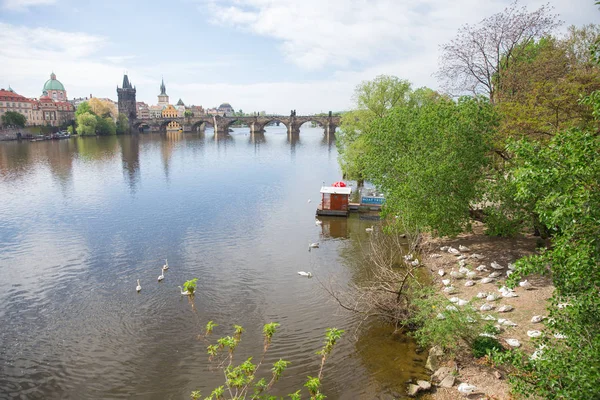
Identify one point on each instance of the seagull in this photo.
(465, 389)
(369, 229)
(166, 266)
(463, 248)
(318, 222)
(161, 276)
(138, 287)
(307, 274)
(184, 293)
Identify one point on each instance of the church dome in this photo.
(53, 84)
(225, 105)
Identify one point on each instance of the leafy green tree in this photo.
(122, 124)
(373, 99)
(105, 126)
(188, 114)
(428, 157)
(83, 108)
(13, 118)
(86, 123)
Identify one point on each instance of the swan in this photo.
(487, 280)
(463, 257)
(486, 307)
(495, 265)
(369, 229)
(465, 389)
(138, 287)
(471, 274)
(463, 270)
(505, 308)
(537, 318)
(441, 272)
(453, 299)
(482, 295)
(525, 284)
(307, 274)
(444, 248)
(506, 322)
(308, 201)
(462, 263)
(463, 248)
(435, 255)
(534, 333)
(446, 282)
(408, 257)
(492, 297)
(449, 289)
(318, 222)
(513, 342)
(415, 262)
(469, 283)
(462, 302)
(482, 268)
(509, 294)
(313, 246)
(495, 274)
(161, 276)
(488, 317)
(509, 273)
(184, 293)
(456, 274)
(166, 266)
(511, 266)
(451, 308)
(477, 256)
(454, 251)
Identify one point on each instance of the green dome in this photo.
(53, 84)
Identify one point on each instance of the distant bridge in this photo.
(222, 124)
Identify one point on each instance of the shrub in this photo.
(483, 345)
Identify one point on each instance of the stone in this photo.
(497, 374)
(441, 373)
(433, 361)
(413, 390)
(424, 385)
(437, 350)
(448, 381)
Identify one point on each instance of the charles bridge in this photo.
(222, 124)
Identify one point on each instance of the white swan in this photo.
(184, 293)
(463, 257)
(506, 322)
(487, 280)
(446, 282)
(477, 256)
(307, 274)
(453, 299)
(505, 308)
(444, 248)
(471, 274)
(308, 201)
(313, 246)
(534, 333)
(495, 265)
(454, 251)
(482, 268)
(138, 287)
(482, 295)
(463, 248)
(435, 255)
(469, 283)
(526, 285)
(509, 294)
(456, 274)
(513, 342)
(463, 270)
(495, 274)
(492, 297)
(465, 389)
(451, 308)
(441, 272)
(488, 317)
(462, 302)
(408, 257)
(369, 229)
(161, 276)
(537, 318)
(449, 289)
(166, 266)
(415, 262)
(318, 222)
(440, 316)
(486, 307)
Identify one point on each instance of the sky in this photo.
(258, 55)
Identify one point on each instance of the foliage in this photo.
(83, 108)
(240, 380)
(451, 329)
(373, 99)
(473, 60)
(122, 124)
(13, 118)
(484, 345)
(190, 286)
(428, 157)
(70, 129)
(86, 123)
(103, 108)
(188, 114)
(105, 126)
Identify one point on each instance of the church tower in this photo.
(163, 97)
(126, 96)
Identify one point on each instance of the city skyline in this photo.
(254, 54)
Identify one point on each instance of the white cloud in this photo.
(22, 5)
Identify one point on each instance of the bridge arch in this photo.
(205, 121)
(264, 124)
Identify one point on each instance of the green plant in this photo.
(190, 285)
(483, 345)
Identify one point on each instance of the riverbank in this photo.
(491, 382)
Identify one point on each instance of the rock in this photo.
(437, 350)
(497, 374)
(413, 390)
(424, 385)
(441, 373)
(448, 381)
(433, 361)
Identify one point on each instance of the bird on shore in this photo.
(486, 307)
(465, 389)
(369, 229)
(446, 282)
(537, 318)
(471, 274)
(495, 274)
(505, 308)
(477, 256)
(482, 295)
(513, 342)
(456, 274)
(441, 272)
(454, 251)
(482, 268)
(162, 275)
(463, 248)
(184, 293)
(307, 274)
(138, 287)
(525, 285)
(166, 266)
(534, 333)
(495, 265)
(469, 283)
(487, 280)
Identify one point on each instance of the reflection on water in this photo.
(82, 219)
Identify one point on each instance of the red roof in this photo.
(7, 95)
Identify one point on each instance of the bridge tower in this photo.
(126, 96)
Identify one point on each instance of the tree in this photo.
(474, 60)
(103, 108)
(105, 126)
(373, 99)
(13, 118)
(122, 124)
(83, 108)
(428, 157)
(188, 114)
(86, 123)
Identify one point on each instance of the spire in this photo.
(126, 84)
(163, 89)
(53, 76)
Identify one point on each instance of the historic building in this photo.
(126, 96)
(197, 111)
(169, 112)
(45, 111)
(11, 101)
(142, 110)
(163, 97)
(180, 106)
(225, 109)
(54, 89)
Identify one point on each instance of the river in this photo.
(82, 219)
